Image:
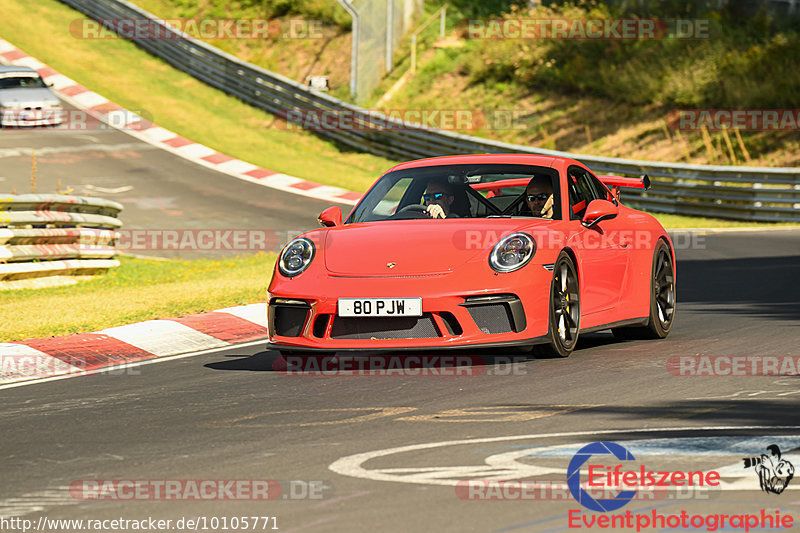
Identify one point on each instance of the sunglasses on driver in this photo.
(435, 196)
(541, 197)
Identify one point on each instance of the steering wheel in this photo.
(413, 211)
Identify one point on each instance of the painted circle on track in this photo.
(506, 458)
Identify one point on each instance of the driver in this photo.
(539, 197)
(438, 198)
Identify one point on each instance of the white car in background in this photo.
(26, 100)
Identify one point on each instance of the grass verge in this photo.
(140, 289)
(670, 221)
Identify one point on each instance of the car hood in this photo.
(411, 247)
(27, 97)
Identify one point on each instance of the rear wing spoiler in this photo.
(616, 182)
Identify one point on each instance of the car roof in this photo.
(483, 159)
(11, 68)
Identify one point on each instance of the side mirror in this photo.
(597, 211)
(330, 217)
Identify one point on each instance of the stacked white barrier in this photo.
(51, 239)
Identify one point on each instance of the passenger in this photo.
(539, 197)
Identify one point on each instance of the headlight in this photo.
(512, 252)
(296, 257)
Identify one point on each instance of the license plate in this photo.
(351, 307)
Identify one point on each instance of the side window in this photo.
(580, 192)
(388, 205)
(602, 191)
(584, 187)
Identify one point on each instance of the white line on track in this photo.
(38, 501)
(352, 465)
(44, 150)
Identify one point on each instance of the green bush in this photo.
(752, 65)
(328, 11)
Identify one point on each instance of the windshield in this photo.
(22, 81)
(463, 191)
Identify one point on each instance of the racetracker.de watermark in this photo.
(733, 365)
(202, 240)
(198, 489)
(194, 523)
(80, 120)
(557, 490)
(585, 240)
(37, 366)
(402, 366)
(145, 29)
(404, 119)
(584, 28)
(734, 119)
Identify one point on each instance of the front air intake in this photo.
(385, 328)
(496, 313)
(288, 317)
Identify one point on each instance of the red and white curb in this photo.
(83, 353)
(118, 117)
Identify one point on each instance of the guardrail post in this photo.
(413, 54)
(354, 48)
(389, 34)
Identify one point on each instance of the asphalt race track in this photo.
(157, 189)
(234, 415)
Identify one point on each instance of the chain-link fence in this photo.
(378, 27)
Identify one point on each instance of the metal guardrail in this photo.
(50, 239)
(743, 193)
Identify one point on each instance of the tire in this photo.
(564, 310)
(662, 299)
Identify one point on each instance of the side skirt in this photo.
(618, 324)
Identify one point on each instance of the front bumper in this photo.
(504, 310)
(33, 118)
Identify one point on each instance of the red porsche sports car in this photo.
(493, 250)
